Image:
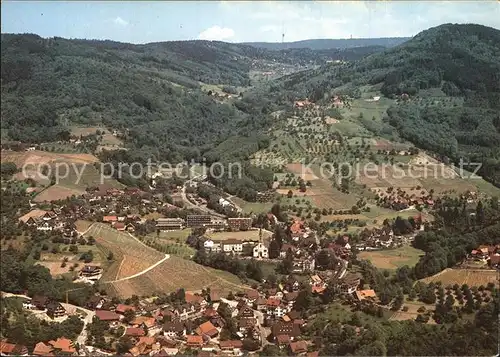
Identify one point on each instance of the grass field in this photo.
(255, 207)
(412, 312)
(465, 276)
(130, 255)
(173, 274)
(173, 242)
(392, 258)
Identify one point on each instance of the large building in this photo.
(236, 224)
(198, 220)
(167, 224)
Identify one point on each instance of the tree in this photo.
(128, 315)
(274, 249)
(289, 194)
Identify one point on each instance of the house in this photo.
(166, 224)
(10, 349)
(234, 246)
(349, 283)
(245, 312)
(260, 251)
(35, 214)
(252, 295)
(290, 298)
(135, 332)
(230, 345)
(494, 261)
(285, 248)
(237, 224)
(246, 324)
(194, 341)
(282, 340)
(208, 329)
(119, 226)
(275, 308)
(298, 347)
(109, 219)
(304, 265)
(195, 299)
(144, 322)
(285, 328)
(260, 304)
(42, 349)
(174, 329)
(63, 345)
(121, 308)
(366, 294)
(95, 302)
(55, 309)
(105, 315)
(28, 305)
(90, 271)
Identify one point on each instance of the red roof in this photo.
(135, 331)
(194, 340)
(296, 227)
(63, 344)
(231, 344)
(298, 347)
(207, 328)
(6, 348)
(121, 308)
(119, 225)
(109, 218)
(272, 302)
(283, 339)
(106, 315)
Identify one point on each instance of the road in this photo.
(82, 337)
(189, 204)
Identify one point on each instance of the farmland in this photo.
(392, 258)
(470, 277)
(173, 273)
(130, 255)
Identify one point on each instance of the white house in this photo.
(260, 251)
(232, 246)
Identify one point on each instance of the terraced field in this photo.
(130, 255)
(173, 274)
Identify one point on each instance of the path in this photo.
(141, 272)
(82, 337)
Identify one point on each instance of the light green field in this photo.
(391, 259)
(252, 207)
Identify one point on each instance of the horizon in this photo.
(239, 22)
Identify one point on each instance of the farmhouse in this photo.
(105, 315)
(55, 310)
(232, 246)
(298, 347)
(170, 223)
(42, 349)
(10, 349)
(208, 329)
(194, 341)
(34, 214)
(91, 271)
(174, 329)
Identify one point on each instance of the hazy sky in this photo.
(141, 22)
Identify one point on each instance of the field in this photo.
(172, 274)
(57, 192)
(412, 312)
(242, 235)
(130, 255)
(53, 261)
(36, 157)
(255, 207)
(392, 258)
(172, 242)
(465, 276)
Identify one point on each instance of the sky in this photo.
(239, 21)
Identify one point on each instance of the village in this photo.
(204, 321)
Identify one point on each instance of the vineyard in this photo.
(130, 256)
(470, 277)
(173, 274)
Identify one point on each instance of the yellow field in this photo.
(392, 258)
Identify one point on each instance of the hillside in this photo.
(452, 76)
(325, 44)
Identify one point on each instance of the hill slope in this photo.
(452, 74)
(325, 44)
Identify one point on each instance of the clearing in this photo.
(392, 258)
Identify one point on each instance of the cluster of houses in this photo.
(60, 346)
(489, 254)
(204, 221)
(398, 199)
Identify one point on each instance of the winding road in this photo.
(82, 337)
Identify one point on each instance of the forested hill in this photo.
(325, 44)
